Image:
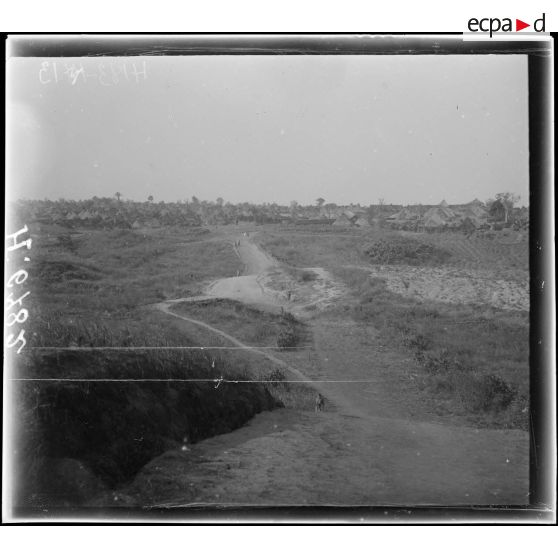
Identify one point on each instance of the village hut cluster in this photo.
(106, 213)
(468, 217)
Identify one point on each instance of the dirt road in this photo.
(247, 287)
(376, 443)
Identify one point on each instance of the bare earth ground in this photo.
(456, 285)
(378, 441)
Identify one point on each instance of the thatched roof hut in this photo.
(362, 222)
(342, 221)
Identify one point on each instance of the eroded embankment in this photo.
(80, 437)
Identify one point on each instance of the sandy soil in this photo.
(305, 296)
(262, 282)
(455, 285)
(378, 441)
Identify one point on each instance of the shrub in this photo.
(402, 250)
(67, 242)
(418, 342)
(59, 270)
(276, 377)
(488, 393)
(287, 337)
(297, 395)
(307, 275)
(289, 318)
(497, 393)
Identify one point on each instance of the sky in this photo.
(349, 129)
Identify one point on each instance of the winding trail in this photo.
(374, 446)
(243, 288)
(164, 307)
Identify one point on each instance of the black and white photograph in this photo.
(255, 274)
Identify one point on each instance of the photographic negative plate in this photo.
(279, 278)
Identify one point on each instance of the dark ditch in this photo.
(78, 439)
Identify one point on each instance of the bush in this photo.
(289, 318)
(418, 342)
(67, 242)
(306, 275)
(287, 337)
(297, 395)
(476, 391)
(60, 270)
(276, 377)
(403, 250)
(497, 393)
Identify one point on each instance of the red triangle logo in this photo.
(519, 25)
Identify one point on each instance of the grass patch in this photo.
(485, 351)
(292, 395)
(313, 249)
(90, 289)
(477, 357)
(112, 272)
(249, 325)
(396, 249)
(329, 250)
(356, 247)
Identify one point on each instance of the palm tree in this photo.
(293, 208)
(508, 200)
(320, 202)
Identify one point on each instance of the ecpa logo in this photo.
(496, 25)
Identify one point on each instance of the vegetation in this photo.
(287, 338)
(404, 250)
(357, 247)
(100, 273)
(113, 428)
(306, 275)
(108, 213)
(309, 249)
(250, 325)
(292, 395)
(153, 400)
(507, 258)
(91, 289)
(474, 358)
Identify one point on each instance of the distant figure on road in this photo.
(320, 403)
(289, 294)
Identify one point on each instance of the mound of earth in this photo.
(455, 285)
